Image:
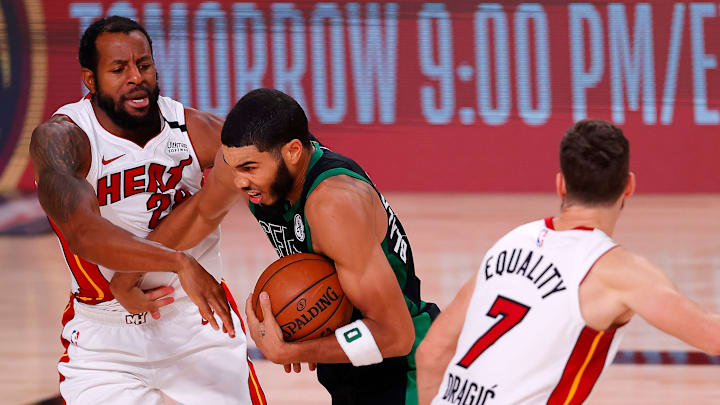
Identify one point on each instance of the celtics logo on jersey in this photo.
(299, 228)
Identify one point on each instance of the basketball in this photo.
(305, 295)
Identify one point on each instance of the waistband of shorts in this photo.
(121, 318)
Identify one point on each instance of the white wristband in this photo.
(358, 343)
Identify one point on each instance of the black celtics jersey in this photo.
(289, 233)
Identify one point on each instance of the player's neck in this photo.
(574, 216)
(300, 174)
(139, 136)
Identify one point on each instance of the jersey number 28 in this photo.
(512, 311)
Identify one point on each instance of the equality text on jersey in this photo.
(528, 265)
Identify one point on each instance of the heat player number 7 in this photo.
(513, 313)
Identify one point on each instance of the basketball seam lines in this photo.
(278, 270)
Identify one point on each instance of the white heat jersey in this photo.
(137, 186)
(524, 340)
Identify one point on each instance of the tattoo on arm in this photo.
(60, 152)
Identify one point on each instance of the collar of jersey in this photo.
(316, 155)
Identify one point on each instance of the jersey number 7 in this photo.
(512, 311)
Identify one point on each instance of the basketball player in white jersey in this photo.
(108, 169)
(544, 314)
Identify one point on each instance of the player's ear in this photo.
(292, 151)
(560, 185)
(88, 77)
(630, 186)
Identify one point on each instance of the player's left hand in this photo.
(267, 334)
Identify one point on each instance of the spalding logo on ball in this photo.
(305, 295)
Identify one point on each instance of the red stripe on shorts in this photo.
(256, 393)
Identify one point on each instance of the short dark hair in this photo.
(266, 119)
(88, 53)
(595, 161)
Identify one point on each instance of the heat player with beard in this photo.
(109, 168)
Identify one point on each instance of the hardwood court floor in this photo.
(449, 234)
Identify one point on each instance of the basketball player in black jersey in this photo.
(308, 198)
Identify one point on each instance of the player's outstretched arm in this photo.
(192, 221)
(60, 152)
(644, 289)
(61, 155)
(348, 223)
(438, 347)
(188, 224)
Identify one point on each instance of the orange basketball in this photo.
(305, 296)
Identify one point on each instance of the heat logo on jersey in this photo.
(141, 179)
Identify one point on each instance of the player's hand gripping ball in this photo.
(305, 296)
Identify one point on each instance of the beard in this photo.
(282, 185)
(122, 118)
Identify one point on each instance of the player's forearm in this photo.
(323, 350)
(103, 243)
(431, 364)
(185, 226)
(428, 383)
(328, 350)
(193, 220)
(394, 337)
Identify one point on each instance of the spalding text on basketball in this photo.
(311, 312)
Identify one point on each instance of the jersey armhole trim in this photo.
(594, 263)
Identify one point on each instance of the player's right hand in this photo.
(206, 293)
(296, 367)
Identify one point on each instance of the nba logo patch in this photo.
(541, 238)
(74, 336)
(299, 228)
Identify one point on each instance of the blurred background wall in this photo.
(428, 96)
